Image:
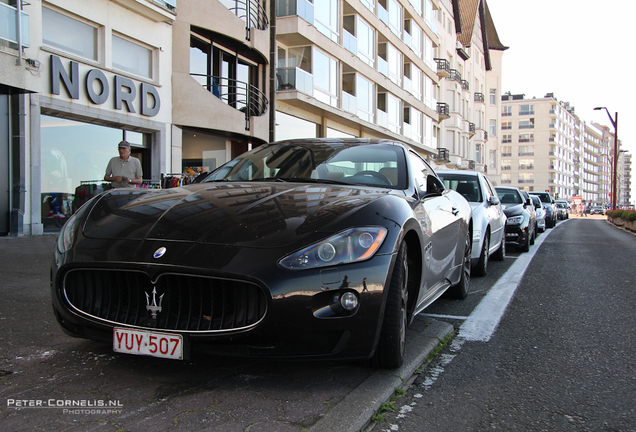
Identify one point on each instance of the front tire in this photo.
(392, 343)
(460, 291)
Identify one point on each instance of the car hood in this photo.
(512, 209)
(246, 214)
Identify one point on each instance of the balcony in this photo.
(455, 75)
(350, 42)
(465, 85)
(479, 97)
(290, 78)
(442, 155)
(301, 8)
(471, 129)
(383, 66)
(8, 30)
(349, 103)
(471, 164)
(237, 94)
(251, 12)
(443, 110)
(443, 67)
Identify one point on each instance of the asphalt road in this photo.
(562, 358)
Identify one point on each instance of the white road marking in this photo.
(445, 316)
(483, 321)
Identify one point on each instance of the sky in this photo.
(577, 49)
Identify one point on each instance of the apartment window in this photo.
(493, 127)
(526, 150)
(366, 42)
(493, 96)
(364, 94)
(395, 17)
(326, 18)
(478, 153)
(526, 164)
(325, 72)
(526, 124)
(506, 111)
(66, 33)
(288, 127)
(526, 109)
(506, 164)
(413, 124)
(132, 57)
(428, 53)
(393, 60)
(492, 159)
(417, 5)
(526, 177)
(506, 178)
(370, 4)
(389, 112)
(506, 125)
(416, 82)
(413, 36)
(506, 139)
(525, 138)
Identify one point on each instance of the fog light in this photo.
(349, 301)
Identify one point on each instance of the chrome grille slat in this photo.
(190, 303)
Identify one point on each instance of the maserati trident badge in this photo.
(159, 252)
(154, 308)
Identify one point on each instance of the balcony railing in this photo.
(302, 8)
(471, 129)
(455, 75)
(239, 95)
(479, 97)
(443, 110)
(443, 67)
(443, 155)
(349, 103)
(251, 12)
(294, 79)
(465, 85)
(8, 28)
(350, 42)
(471, 164)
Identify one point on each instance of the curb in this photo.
(355, 411)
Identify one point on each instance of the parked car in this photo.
(521, 223)
(538, 206)
(549, 206)
(533, 210)
(563, 209)
(489, 220)
(314, 248)
(597, 210)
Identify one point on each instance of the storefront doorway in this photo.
(74, 156)
(5, 168)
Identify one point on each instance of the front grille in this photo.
(186, 302)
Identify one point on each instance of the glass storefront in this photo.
(74, 156)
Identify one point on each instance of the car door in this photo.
(440, 225)
(496, 216)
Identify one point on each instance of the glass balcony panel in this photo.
(295, 79)
(8, 31)
(349, 103)
(383, 119)
(302, 8)
(383, 67)
(350, 42)
(383, 14)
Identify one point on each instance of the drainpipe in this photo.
(272, 70)
(18, 27)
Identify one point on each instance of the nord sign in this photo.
(124, 91)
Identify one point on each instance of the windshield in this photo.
(318, 162)
(467, 186)
(509, 197)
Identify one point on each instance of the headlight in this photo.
(67, 234)
(515, 220)
(353, 245)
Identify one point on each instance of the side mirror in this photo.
(434, 185)
(493, 200)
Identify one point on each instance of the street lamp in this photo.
(615, 167)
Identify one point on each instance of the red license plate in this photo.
(150, 343)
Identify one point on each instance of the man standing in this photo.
(125, 170)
